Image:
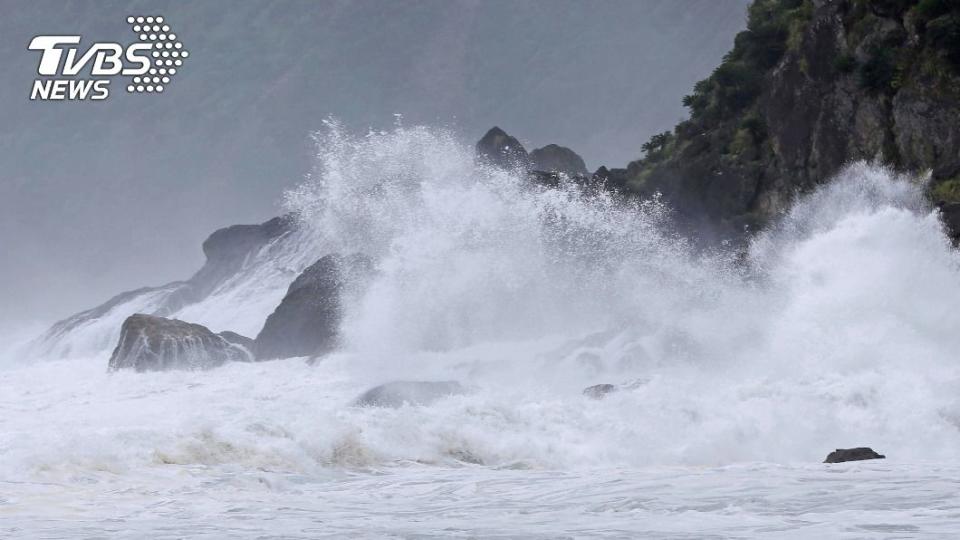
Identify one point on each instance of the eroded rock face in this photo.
(307, 321)
(554, 158)
(503, 150)
(852, 454)
(149, 343)
(398, 393)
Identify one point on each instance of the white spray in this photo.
(838, 330)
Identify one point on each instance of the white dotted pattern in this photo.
(168, 52)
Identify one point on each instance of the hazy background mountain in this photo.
(98, 197)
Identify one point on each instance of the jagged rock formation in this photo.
(852, 454)
(307, 321)
(226, 250)
(542, 165)
(149, 343)
(809, 86)
(502, 150)
(554, 158)
(398, 393)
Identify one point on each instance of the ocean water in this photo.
(738, 373)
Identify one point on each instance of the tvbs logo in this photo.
(150, 63)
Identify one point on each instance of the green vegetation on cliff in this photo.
(772, 26)
(808, 86)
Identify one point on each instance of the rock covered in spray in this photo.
(307, 321)
(150, 343)
(398, 393)
(599, 391)
(852, 454)
(237, 339)
(500, 149)
(227, 250)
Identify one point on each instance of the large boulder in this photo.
(149, 343)
(307, 321)
(852, 454)
(559, 159)
(398, 393)
(502, 150)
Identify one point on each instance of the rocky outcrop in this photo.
(852, 454)
(399, 393)
(560, 159)
(307, 321)
(809, 86)
(227, 249)
(149, 343)
(547, 166)
(502, 150)
(599, 391)
(237, 339)
(226, 252)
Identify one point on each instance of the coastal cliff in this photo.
(809, 86)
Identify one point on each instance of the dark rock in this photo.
(599, 391)
(615, 179)
(950, 215)
(852, 454)
(553, 158)
(397, 393)
(149, 343)
(503, 150)
(228, 249)
(307, 321)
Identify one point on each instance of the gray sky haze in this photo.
(101, 197)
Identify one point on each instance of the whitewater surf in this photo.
(735, 373)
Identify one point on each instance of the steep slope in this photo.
(809, 86)
(247, 268)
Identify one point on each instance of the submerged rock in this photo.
(307, 321)
(599, 391)
(397, 393)
(149, 343)
(852, 454)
